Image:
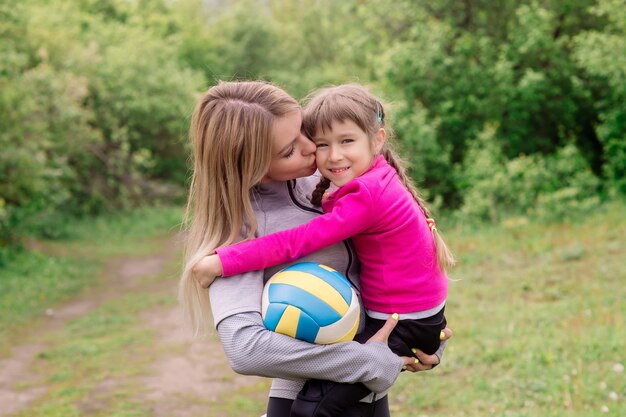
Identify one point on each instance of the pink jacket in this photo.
(394, 244)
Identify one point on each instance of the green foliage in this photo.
(95, 96)
(550, 188)
(92, 115)
(603, 55)
(468, 68)
(237, 42)
(428, 159)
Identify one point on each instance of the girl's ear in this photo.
(379, 140)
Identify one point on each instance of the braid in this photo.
(445, 258)
(396, 163)
(318, 193)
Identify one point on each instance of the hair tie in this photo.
(431, 224)
(379, 112)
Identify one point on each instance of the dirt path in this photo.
(191, 369)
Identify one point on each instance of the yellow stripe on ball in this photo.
(288, 323)
(315, 286)
(328, 268)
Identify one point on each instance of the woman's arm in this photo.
(253, 350)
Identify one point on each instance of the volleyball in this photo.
(311, 302)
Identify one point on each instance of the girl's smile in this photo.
(338, 171)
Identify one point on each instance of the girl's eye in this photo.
(320, 145)
(290, 153)
(348, 141)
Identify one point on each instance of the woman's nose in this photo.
(308, 147)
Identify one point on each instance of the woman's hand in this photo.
(207, 269)
(421, 361)
(427, 362)
(382, 336)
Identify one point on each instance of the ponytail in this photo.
(445, 259)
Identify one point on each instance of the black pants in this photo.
(320, 398)
(422, 334)
(281, 407)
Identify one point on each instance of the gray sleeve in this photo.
(253, 350)
(237, 294)
(439, 353)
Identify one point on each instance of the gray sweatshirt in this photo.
(254, 350)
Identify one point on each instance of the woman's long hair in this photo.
(231, 137)
(355, 103)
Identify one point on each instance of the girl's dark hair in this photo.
(320, 189)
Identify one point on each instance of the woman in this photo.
(252, 170)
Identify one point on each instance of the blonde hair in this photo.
(355, 103)
(231, 136)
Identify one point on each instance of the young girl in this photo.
(403, 257)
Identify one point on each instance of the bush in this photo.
(552, 187)
(602, 54)
(90, 116)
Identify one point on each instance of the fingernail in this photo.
(442, 335)
(417, 361)
(404, 367)
(414, 350)
(395, 316)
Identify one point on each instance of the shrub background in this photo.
(508, 109)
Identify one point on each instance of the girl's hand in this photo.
(207, 269)
(427, 362)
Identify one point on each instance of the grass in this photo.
(35, 280)
(103, 348)
(93, 365)
(538, 315)
(90, 362)
(537, 311)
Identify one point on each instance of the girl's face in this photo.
(293, 154)
(346, 152)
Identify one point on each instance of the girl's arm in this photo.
(353, 213)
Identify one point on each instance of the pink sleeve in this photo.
(352, 214)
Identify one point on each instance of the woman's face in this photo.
(293, 154)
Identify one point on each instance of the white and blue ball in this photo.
(311, 302)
